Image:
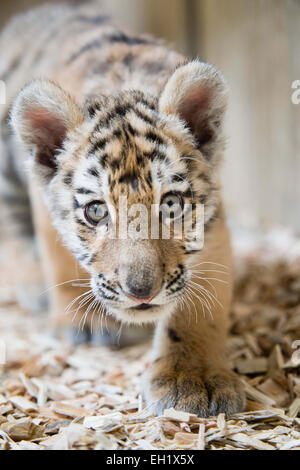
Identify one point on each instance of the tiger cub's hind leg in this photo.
(20, 258)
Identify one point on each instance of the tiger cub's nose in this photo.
(140, 298)
(140, 286)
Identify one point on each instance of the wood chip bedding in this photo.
(53, 396)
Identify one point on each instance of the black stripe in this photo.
(104, 159)
(82, 257)
(188, 193)
(190, 252)
(13, 66)
(173, 335)
(76, 204)
(128, 59)
(84, 191)
(204, 177)
(106, 123)
(149, 179)
(130, 40)
(121, 110)
(87, 47)
(140, 160)
(115, 164)
(82, 239)
(68, 178)
(93, 258)
(140, 98)
(155, 155)
(93, 108)
(64, 213)
(154, 138)
(154, 67)
(131, 131)
(179, 178)
(144, 117)
(98, 145)
(114, 38)
(78, 221)
(93, 171)
(101, 68)
(97, 20)
(130, 179)
(203, 198)
(117, 133)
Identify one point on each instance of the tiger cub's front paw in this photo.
(201, 393)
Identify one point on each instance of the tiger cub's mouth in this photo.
(144, 307)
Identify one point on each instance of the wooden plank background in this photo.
(256, 44)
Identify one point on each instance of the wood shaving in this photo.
(177, 415)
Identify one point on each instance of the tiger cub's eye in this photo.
(96, 212)
(172, 205)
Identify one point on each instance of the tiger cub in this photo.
(115, 135)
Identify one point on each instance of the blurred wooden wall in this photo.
(9, 8)
(256, 44)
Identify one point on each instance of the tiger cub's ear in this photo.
(197, 93)
(41, 117)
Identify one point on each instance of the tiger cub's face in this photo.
(122, 167)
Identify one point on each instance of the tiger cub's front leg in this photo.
(189, 371)
(191, 374)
